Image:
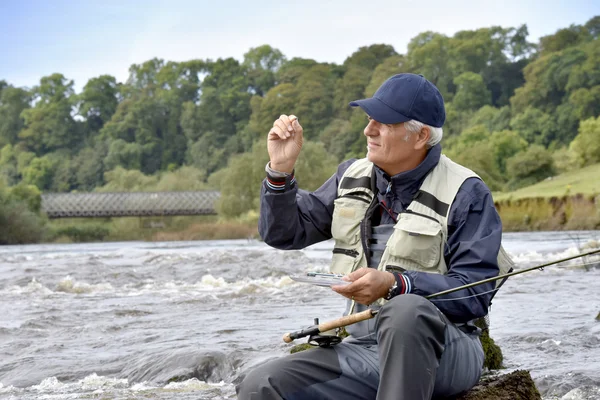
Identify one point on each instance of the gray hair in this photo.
(414, 126)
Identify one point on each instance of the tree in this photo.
(389, 67)
(505, 144)
(428, 54)
(563, 38)
(290, 71)
(12, 103)
(40, 172)
(471, 92)
(8, 165)
(49, 125)
(369, 57)
(98, 102)
(262, 63)
(314, 100)
(535, 126)
(337, 138)
(529, 166)
(279, 100)
(494, 119)
(123, 180)
(350, 87)
(587, 143)
(89, 167)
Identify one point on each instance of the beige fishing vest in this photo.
(420, 233)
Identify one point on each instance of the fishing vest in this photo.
(420, 233)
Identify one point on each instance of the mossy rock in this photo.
(301, 347)
(493, 353)
(517, 385)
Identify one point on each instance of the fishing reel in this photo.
(324, 339)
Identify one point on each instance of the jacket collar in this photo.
(406, 184)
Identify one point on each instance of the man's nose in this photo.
(370, 129)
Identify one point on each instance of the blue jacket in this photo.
(295, 219)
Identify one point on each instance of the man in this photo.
(407, 222)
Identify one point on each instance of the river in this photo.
(183, 320)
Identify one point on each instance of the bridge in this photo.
(128, 204)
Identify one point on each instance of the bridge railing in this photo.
(123, 204)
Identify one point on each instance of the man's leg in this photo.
(410, 335)
(422, 353)
(345, 371)
(461, 364)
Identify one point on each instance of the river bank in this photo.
(577, 212)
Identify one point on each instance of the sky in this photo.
(85, 39)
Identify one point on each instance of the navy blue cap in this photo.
(404, 97)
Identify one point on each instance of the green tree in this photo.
(240, 183)
(535, 126)
(587, 143)
(505, 144)
(9, 172)
(40, 172)
(262, 64)
(471, 92)
(314, 102)
(98, 102)
(350, 87)
(428, 54)
(290, 71)
(530, 166)
(389, 67)
(89, 167)
(12, 103)
(49, 125)
(369, 57)
(563, 38)
(124, 180)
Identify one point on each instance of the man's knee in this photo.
(257, 383)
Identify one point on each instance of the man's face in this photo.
(389, 146)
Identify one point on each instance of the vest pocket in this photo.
(344, 261)
(347, 216)
(417, 239)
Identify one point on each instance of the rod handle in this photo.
(346, 320)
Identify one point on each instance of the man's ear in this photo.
(422, 138)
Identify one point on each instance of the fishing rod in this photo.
(317, 328)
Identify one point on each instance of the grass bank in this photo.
(570, 201)
(151, 229)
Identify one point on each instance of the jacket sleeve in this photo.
(474, 237)
(295, 218)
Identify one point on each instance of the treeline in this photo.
(517, 112)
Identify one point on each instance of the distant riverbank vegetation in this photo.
(518, 113)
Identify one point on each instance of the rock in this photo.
(493, 353)
(598, 317)
(301, 347)
(517, 385)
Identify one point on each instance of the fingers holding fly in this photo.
(285, 127)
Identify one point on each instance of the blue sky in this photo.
(83, 39)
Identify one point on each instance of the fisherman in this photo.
(407, 222)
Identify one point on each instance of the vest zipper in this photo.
(421, 215)
(346, 252)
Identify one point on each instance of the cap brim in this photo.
(380, 111)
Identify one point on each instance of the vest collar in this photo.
(405, 184)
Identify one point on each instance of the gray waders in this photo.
(415, 353)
